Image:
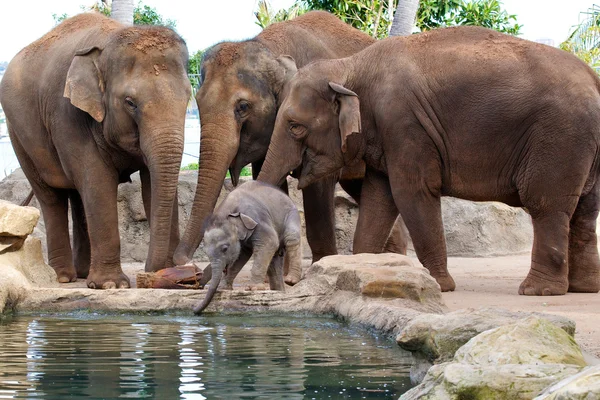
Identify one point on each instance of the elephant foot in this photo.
(257, 286)
(537, 286)
(590, 284)
(66, 275)
(446, 283)
(112, 280)
(291, 280)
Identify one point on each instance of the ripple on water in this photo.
(229, 357)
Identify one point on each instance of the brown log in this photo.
(180, 277)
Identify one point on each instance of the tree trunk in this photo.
(122, 11)
(404, 19)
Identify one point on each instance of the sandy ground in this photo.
(494, 282)
(490, 282)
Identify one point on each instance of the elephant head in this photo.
(136, 88)
(314, 126)
(222, 245)
(238, 99)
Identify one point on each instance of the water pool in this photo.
(214, 357)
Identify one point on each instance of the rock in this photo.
(483, 229)
(21, 270)
(17, 221)
(385, 275)
(458, 381)
(514, 361)
(531, 341)
(438, 337)
(582, 386)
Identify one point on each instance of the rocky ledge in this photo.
(468, 354)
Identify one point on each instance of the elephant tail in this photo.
(27, 199)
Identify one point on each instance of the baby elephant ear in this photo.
(248, 222)
(84, 85)
(245, 227)
(349, 117)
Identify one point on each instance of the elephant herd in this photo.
(465, 112)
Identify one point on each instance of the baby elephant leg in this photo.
(264, 251)
(293, 250)
(275, 271)
(234, 270)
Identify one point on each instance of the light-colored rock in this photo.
(29, 262)
(385, 275)
(13, 288)
(531, 341)
(483, 229)
(457, 381)
(582, 386)
(17, 221)
(439, 336)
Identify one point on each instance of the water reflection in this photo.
(235, 357)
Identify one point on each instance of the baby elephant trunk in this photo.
(217, 273)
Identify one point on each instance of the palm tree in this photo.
(584, 41)
(122, 11)
(404, 19)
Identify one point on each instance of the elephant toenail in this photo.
(92, 285)
(109, 285)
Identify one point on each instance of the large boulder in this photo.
(385, 275)
(515, 361)
(22, 265)
(439, 336)
(472, 229)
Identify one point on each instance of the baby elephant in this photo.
(256, 218)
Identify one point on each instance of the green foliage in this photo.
(59, 18)
(266, 16)
(146, 15)
(487, 13)
(374, 16)
(194, 68)
(584, 41)
(246, 171)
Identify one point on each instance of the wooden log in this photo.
(180, 277)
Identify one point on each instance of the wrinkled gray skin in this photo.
(256, 218)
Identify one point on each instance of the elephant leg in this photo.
(81, 238)
(549, 269)
(235, 268)
(275, 271)
(422, 214)
(99, 195)
(584, 262)
(264, 249)
(376, 214)
(293, 250)
(55, 206)
(319, 213)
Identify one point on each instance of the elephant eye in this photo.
(224, 248)
(242, 108)
(298, 131)
(130, 102)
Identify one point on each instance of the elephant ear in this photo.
(349, 112)
(84, 86)
(245, 225)
(289, 65)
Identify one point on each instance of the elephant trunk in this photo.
(217, 273)
(218, 146)
(163, 149)
(279, 163)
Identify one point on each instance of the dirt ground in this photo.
(494, 282)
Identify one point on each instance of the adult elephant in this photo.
(242, 87)
(88, 104)
(465, 112)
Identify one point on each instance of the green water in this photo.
(214, 357)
